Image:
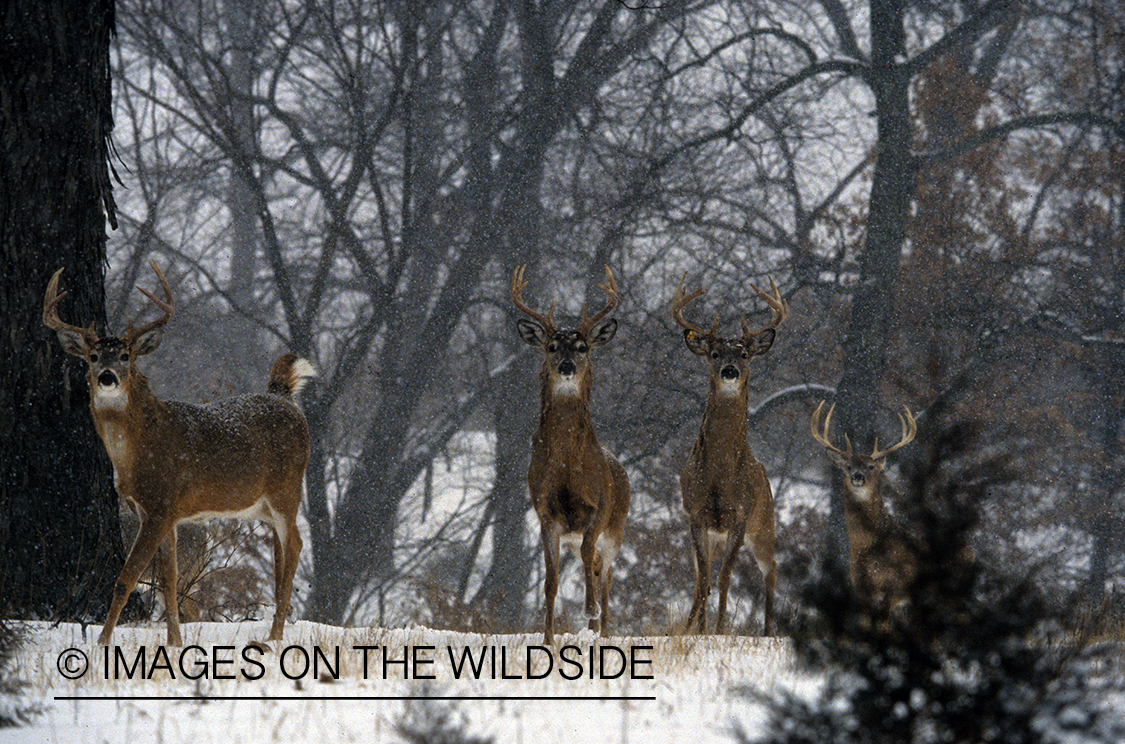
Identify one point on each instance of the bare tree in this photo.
(394, 170)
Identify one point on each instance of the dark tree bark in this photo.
(60, 542)
(892, 191)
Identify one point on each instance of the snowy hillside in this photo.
(315, 687)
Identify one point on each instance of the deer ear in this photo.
(697, 344)
(761, 341)
(531, 332)
(72, 342)
(146, 343)
(603, 332)
(837, 458)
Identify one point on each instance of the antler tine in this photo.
(779, 309)
(51, 311)
(168, 306)
(909, 430)
(610, 288)
(518, 285)
(679, 302)
(822, 438)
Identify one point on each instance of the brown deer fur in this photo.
(726, 494)
(881, 561)
(578, 489)
(173, 462)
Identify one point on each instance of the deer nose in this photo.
(858, 479)
(567, 368)
(729, 372)
(107, 379)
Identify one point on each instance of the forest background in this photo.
(937, 188)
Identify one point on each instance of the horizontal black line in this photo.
(205, 698)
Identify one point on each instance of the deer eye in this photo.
(714, 355)
(580, 348)
(745, 355)
(93, 357)
(552, 348)
(125, 356)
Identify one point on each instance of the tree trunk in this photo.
(241, 199)
(60, 541)
(504, 588)
(892, 191)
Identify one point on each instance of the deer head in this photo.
(112, 361)
(860, 470)
(729, 358)
(566, 361)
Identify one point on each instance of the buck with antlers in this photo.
(881, 560)
(726, 493)
(578, 489)
(241, 457)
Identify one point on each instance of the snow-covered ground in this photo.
(314, 686)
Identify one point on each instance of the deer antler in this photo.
(823, 438)
(680, 301)
(779, 310)
(51, 312)
(610, 288)
(169, 307)
(518, 285)
(909, 429)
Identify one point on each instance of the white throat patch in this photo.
(566, 386)
(110, 398)
(728, 387)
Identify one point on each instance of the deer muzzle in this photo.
(729, 372)
(567, 368)
(108, 379)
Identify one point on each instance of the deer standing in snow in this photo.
(726, 493)
(174, 462)
(578, 489)
(880, 558)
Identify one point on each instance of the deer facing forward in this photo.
(578, 489)
(726, 494)
(881, 558)
(174, 462)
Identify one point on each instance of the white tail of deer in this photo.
(880, 560)
(173, 462)
(726, 493)
(578, 489)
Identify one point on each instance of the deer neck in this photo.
(722, 445)
(122, 415)
(864, 510)
(564, 412)
(725, 416)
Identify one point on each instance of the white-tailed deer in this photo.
(242, 457)
(726, 493)
(578, 489)
(880, 558)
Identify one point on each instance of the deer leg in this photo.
(150, 535)
(763, 549)
(605, 579)
(734, 543)
(170, 581)
(278, 563)
(590, 561)
(702, 554)
(550, 537)
(287, 552)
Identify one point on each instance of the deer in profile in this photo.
(578, 489)
(726, 494)
(174, 462)
(880, 557)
